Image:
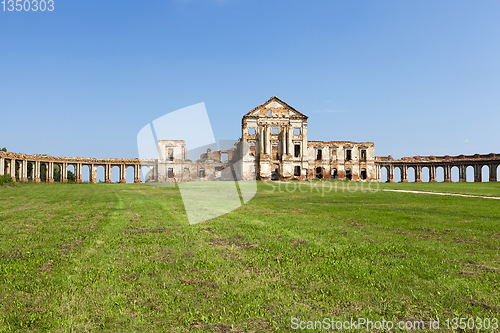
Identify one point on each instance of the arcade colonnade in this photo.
(462, 162)
(24, 167)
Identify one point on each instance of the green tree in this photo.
(57, 172)
(71, 177)
(4, 149)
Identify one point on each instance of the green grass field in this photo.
(123, 257)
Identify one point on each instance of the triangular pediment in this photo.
(274, 103)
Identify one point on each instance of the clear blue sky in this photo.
(415, 77)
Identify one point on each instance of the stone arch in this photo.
(455, 174)
(30, 170)
(384, 172)
(440, 173)
(426, 174)
(70, 168)
(99, 175)
(397, 174)
(145, 170)
(348, 174)
(275, 173)
(469, 174)
(129, 174)
(85, 173)
(115, 174)
(334, 174)
(363, 175)
(485, 173)
(411, 174)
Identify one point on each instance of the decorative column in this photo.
(36, 171)
(268, 141)
(123, 173)
(432, 173)
(24, 171)
(404, 173)
(418, 174)
(447, 173)
(2, 166)
(493, 172)
(50, 172)
(390, 174)
(304, 150)
(92, 173)
(152, 172)
(261, 140)
(64, 172)
(12, 169)
(290, 147)
(462, 173)
(137, 173)
(78, 172)
(477, 173)
(107, 173)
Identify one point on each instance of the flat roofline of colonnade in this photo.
(492, 157)
(71, 160)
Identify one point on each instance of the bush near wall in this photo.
(5, 179)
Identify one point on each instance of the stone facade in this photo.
(273, 146)
(432, 163)
(278, 148)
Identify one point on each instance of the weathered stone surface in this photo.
(273, 146)
(477, 161)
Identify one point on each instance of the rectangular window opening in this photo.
(348, 155)
(170, 173)
(319, 154)
(297, 150)
(296, 131)
(297, 171)
(251, 131)
(319, 172)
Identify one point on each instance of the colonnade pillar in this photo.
(36, 171)
(462, 173)
(493, 172)
(64, 173)
(404, 173)
(12, 169)
(92, 173)
(123, 173)
(78, 172)
(432, 173)
(478, 172)
(390, 174)
(50, 172)
(418, 174)
(23, 175)
(447, 173)
(107, 173)
(137, 173)
(2, 166)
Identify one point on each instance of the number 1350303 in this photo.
(27, 5)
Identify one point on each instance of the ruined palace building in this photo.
(273, 146)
